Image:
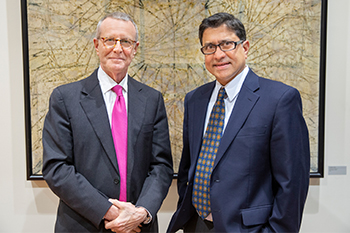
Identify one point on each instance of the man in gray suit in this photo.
(81, 158)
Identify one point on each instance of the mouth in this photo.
(222, 65)
(116, 59)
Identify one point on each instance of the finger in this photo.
(115, 202)
(109, 224)
(112, 200)
(137, 229)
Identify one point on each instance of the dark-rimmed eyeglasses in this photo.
(110, 43)
(224, 46)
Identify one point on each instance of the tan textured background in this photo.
(284, 37)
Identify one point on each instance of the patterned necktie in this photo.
(120, 137)
(205, 162)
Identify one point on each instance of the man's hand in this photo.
(129, 218)
(112, 213)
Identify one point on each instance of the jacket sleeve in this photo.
(185, 162)
(58, 165)
(290, 162)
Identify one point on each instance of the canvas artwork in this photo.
(284, 37)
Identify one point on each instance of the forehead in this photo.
(117, 27)
(215, 35)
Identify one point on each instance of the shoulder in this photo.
(77, 87)
(70, 86)
(206, 88)
(270, 87)
(137, 86)
(278, 89)
(272, 92)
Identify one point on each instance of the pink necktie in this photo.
(120, 137)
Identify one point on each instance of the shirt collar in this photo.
(107, 83)
(234, 86)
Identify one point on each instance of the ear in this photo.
(96, 45)
(135, 49)
(246, 46)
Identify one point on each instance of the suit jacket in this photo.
(260, 176)
(79, 159)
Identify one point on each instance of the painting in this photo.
(287, 40)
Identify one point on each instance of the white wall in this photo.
(29, 206)
(328, 203)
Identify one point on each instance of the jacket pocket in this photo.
(256, 215)
(252, 131)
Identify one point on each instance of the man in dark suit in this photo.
(257, 179)
(81, 154)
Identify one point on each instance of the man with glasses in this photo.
(106, 142)
(245, 161)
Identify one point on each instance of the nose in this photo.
(118, 47)
(219, 53)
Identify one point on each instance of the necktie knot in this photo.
(222, 94)
(118, 90)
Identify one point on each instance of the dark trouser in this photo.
(197, 224)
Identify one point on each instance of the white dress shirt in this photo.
(232, 89)
(109, 96)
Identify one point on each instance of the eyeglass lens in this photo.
(111, 42)
(224, 46)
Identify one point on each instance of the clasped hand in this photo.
(124, 217)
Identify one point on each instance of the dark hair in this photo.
(218, 19)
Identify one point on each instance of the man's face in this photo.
(115, 61)
(224, 65)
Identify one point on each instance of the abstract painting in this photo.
(287, 40)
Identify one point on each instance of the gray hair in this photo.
(116, 15)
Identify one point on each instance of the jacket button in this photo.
(116, 181)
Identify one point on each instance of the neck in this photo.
(117, 77)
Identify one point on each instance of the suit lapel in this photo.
(136, 113)
(199, 111)
(246, 100)
(95, 109)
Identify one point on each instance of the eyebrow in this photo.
(111, 37)
(220, 41)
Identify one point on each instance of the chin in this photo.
(225, 80)
(117, 67)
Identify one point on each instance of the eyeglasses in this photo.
(224, 46)
(110, 43)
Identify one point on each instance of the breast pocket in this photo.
(252, 131)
